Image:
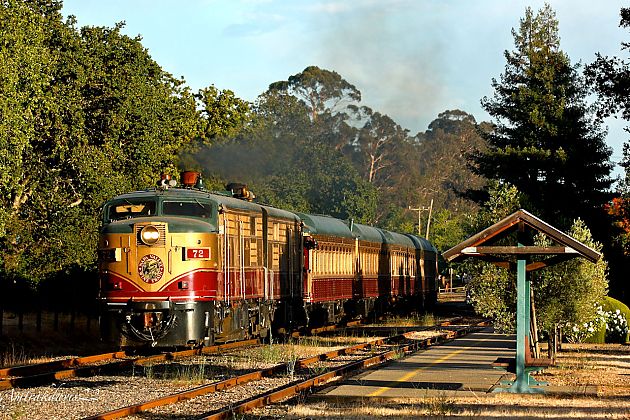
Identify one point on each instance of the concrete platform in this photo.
(460, 368)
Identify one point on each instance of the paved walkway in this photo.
(462, 367)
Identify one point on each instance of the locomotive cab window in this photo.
(129, 209)
(187, 208)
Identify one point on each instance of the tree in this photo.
(281, 156)
(492, 291)
(223, 114)
(324, 92)
(544, 141)
(86, 114)
(569, 293)
(610, 79)
(443, 173)
(373, 149)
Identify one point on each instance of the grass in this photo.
(195, 372)
(440, 405)
(417, 320)
(13, 354)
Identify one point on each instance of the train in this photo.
(183, 266)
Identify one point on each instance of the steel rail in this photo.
(37, 368)
(83, 371)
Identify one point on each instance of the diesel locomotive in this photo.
(182, 266)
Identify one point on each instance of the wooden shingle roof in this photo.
(481, 244)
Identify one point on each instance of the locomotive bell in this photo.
(166, 181)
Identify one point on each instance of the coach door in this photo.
(234, 255)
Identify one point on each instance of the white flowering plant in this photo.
(616, 327)
(578, 333)
(613, 323)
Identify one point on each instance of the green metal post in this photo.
(520, 384)
(523, 308)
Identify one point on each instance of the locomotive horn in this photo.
(240, 191)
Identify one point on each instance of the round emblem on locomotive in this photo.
(151, 268)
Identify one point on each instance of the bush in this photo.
(609, 326)
(617, 326)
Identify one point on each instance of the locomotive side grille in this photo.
(160, 242)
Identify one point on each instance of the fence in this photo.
(13, 324)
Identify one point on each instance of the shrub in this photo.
(610, 325)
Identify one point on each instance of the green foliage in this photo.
(282, 158)
(440, 157)
(544, 141)
(324, 92)
(448, 228)
(398, 219)
(223, 113)
(610, 76)
(492, 290)
(86, 114)
(569, 292)
(504, 199)
(493, 294)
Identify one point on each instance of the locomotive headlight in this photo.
(149, 235)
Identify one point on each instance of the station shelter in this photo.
(509, 243)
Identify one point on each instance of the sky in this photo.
(411, 59)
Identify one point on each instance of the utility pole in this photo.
(420, 209)
(429, 219)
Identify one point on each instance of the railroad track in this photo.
(389, 348)
(48, 372)
(44, 373)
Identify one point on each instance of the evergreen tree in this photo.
(544, 141)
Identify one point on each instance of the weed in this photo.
(317, 370)
(427, 319)
(149, 372)
(19, 412)
(293, 358)
(398, 355)
(15, 355)
(440, 405)
(195, 373)
(272, 354)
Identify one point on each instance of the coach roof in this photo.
(325, 225)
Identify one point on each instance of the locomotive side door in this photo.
(269, 282)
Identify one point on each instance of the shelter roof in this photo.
(481, 243)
